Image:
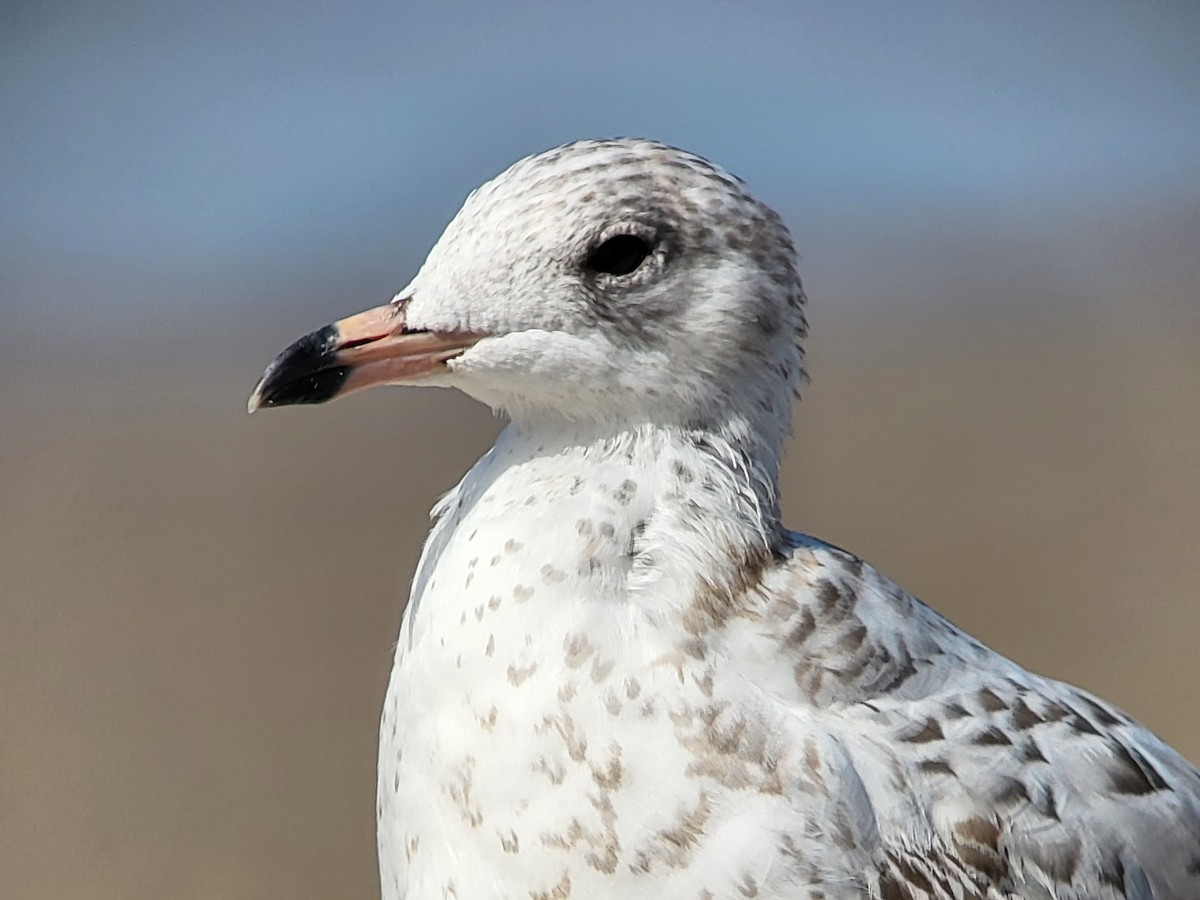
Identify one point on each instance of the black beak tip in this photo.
(306, 372)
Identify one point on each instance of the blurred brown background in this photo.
(197, 609)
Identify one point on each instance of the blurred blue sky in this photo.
(203, 159)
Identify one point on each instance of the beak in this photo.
(373, 347)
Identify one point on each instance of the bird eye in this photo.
(619, 255)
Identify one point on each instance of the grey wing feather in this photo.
(1001, 783)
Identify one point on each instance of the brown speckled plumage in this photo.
(620, 676)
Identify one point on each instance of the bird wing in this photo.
(982, 779)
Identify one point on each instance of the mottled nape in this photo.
(618, 674)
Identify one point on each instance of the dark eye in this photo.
(619, 255)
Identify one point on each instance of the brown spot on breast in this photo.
(575, 743)
(624, 492)
(609, 778)
(601, 669)
(605, 862)
(612, 703)
(460, 789)
(555, 773)
(561, 891)
(518, 676)
(673, 846)
(576, 648)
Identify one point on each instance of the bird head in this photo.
(609, 280)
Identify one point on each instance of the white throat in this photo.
(602, 514)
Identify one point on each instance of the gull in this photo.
(618, 673)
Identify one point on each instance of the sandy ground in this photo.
(197, 609)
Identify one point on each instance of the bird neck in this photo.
(724, 467)
(560, 524)
(686, 504)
